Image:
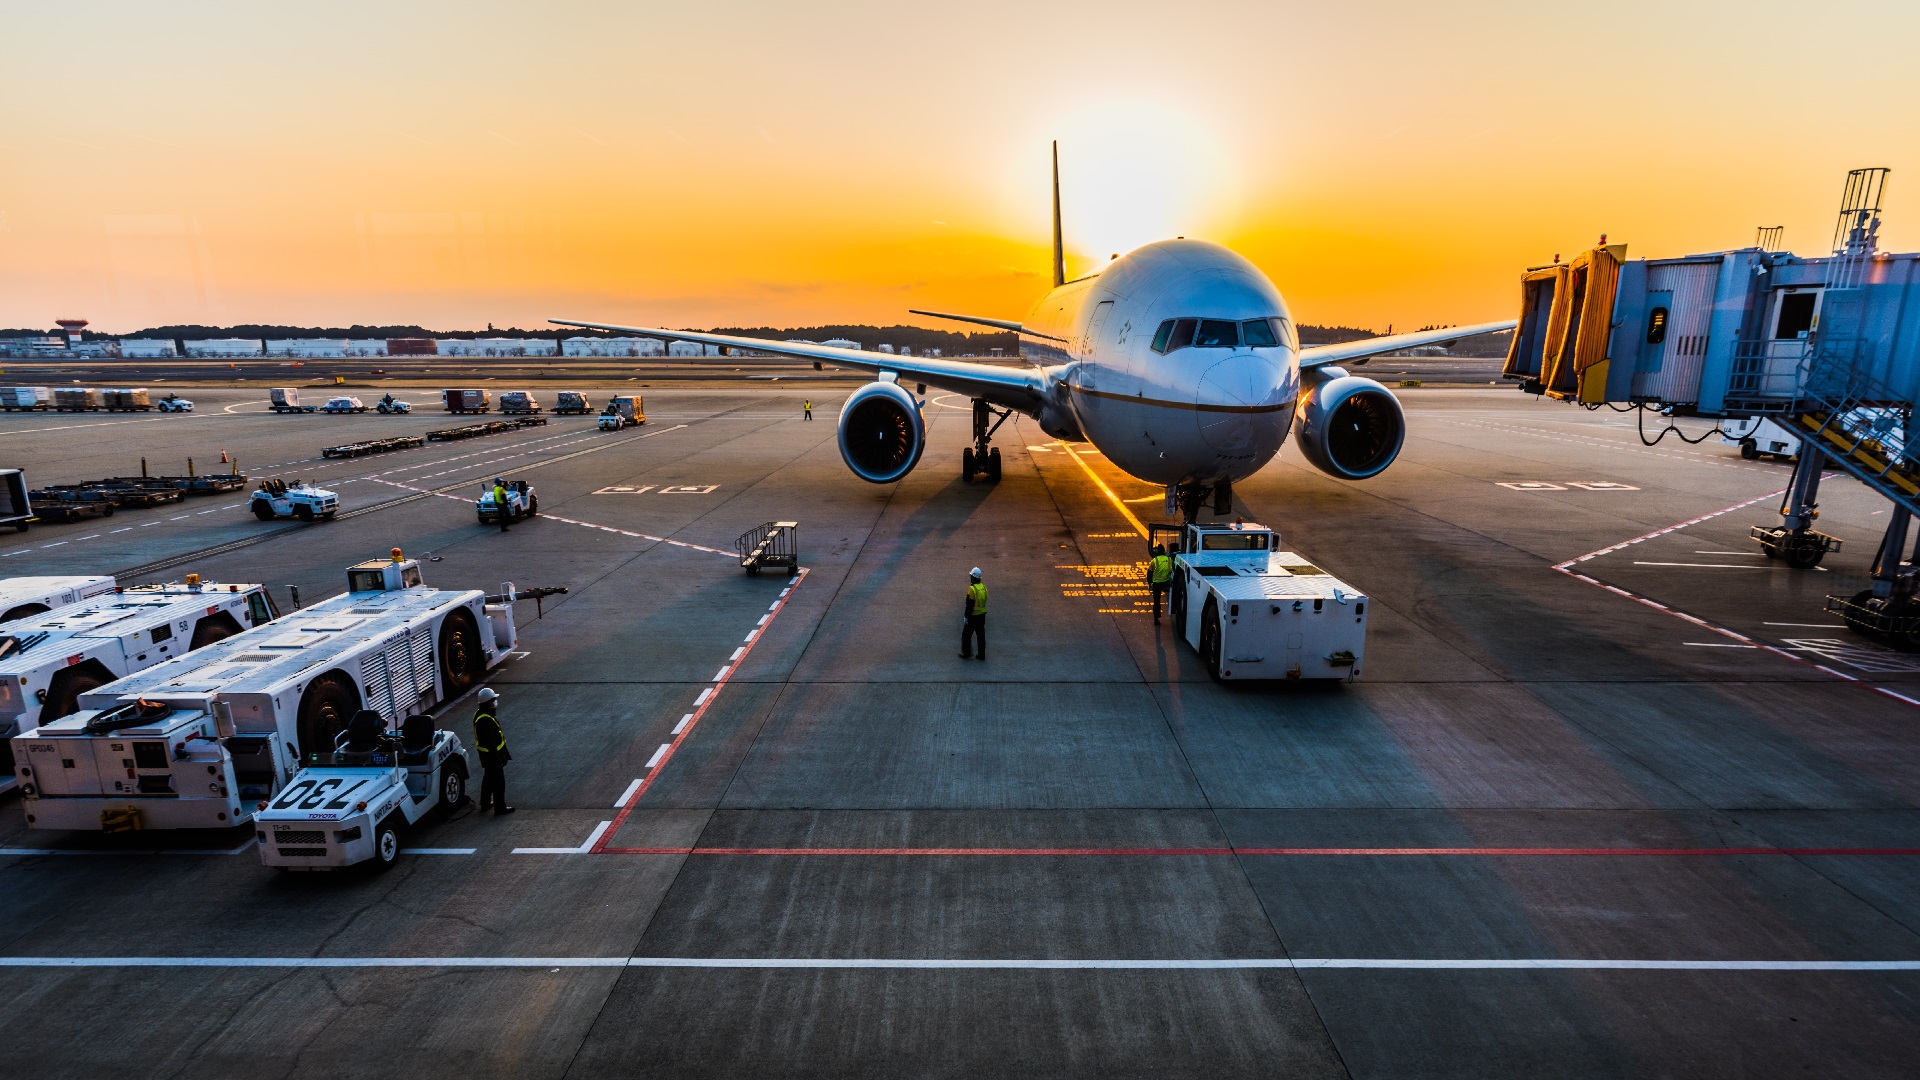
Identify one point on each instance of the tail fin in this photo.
(1059, 255)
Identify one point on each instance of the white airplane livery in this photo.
(1179, 361)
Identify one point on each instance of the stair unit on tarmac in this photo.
(1828, 347)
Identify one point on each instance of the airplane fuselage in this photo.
(1178, 361)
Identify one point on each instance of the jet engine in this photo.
(881, 432)
(1348, 426)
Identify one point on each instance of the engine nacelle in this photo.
(1348, 426)
(881, 432)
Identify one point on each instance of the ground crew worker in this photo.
(491, 741)
(500, 503)
(975, 626)
(807, 408)
(1159, 575)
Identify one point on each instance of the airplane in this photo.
(1179, 361)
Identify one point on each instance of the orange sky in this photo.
(454, 164)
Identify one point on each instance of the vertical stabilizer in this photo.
(1059, 255)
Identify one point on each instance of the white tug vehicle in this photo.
(275, 499)
(207, 740)
(522, 502)
(1253, 611)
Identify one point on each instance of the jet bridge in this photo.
(1827, 346)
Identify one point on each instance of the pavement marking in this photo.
(124, 528)
(955, 963)
(438, 850)
(737, 652)
(1718, 645)
(683, 731)
(654, 760)
(1671, 528)
(245, 846)
(108, 423)
(1294, 852)
(1707, 565)
(1809, 625)
(592, 839)
(627, 794)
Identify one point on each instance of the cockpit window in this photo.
(1216, 334)
(1161, 335)
(1182, 334)
(1257, 332)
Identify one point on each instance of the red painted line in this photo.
(1318, 851)
(686, 731)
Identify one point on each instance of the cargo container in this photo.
(571, 403)
(286, 399)
(519, 403)
(210, 736)
(132, 399)
(76, 399)
(31, 398)
(466, 401)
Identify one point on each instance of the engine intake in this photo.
(1348, 426)
(881, 432)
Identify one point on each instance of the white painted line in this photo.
(1704, 565)
(627, 794)
(11, 554)
(763, 620)
(723, 673)
(149, 524)
(43, 547)
(736, 654)
(704, 694)
(785, 591)
(775, 606)
(546, 851)
(655, 759)
(124, 528)
(944, 963)
(180, 517)
(89, 536)
(682, 725)
(1810, 625)
(593, 837)
(1718, 645)
(751, 634)
(438, 850)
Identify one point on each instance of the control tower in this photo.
(72, 328)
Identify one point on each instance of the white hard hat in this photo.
(487, 694)
(975, 571)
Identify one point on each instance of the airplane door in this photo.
(1096, 326)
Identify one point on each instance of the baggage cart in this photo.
(466, 401)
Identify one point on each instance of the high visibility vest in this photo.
(487, 727)
(977, 599)
(1159, 569)
(499, 497)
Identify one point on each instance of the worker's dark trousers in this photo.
(505, 520)
(975, 630)
(809, 414)
(1159, 590)
(493, 786)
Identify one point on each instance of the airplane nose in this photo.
(1226, 395)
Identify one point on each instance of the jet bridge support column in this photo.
(1888, 610)
(1794, 540)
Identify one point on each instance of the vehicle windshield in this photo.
(1251, 541)
(1176, 334)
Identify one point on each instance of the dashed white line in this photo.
(651, 762)
(736, 653)
(627, 794)
(680, 727)
(704, 695)
(722, 673)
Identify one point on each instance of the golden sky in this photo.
(726, 163)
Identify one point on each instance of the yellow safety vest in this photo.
(977, 598)
(1159, 569)
(499, 497)
(483, 719)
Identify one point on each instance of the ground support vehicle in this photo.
(16, 507)
(47, 661)
(346, 403)
(24, 596)
(387, 406)
(135, 496)
(519, 403)
(350, 804)
(286, 399)
(491, 427)
(75, 399)
(25, 398)
(212, 735)
(374, 446)
(777, 543)
(174, 403)
(521, 503)
(1254, 612)
(279, 499)
(571, 403)
(1756, 435)
(466, 401)
(126, 400)
(622, 412)
(68, 504)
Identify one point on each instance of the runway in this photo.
(1615, 797)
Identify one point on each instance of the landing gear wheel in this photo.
(386, 845)
(1749, 449)
(1856, 610)
(1210, 638)
(453, 786)
(1802, 552)
(263, 510)
(966, 465)
(993, 465)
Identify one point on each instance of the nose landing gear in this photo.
(982, 457)
(1189, 497)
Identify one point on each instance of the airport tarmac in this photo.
(1615, 796)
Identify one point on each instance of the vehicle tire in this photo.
(303, 512)
(533, 505)
(1904, 638)
(1802, 552)
(461, 658)
(1210, 638)
(23, 611)
(328, 703)
(108, 511)
(993, 465)
(211, 629)
(1748, 449)
(482, 519)
(19, 526)
(453, 784)
(386, 845)
(966, 465)
(63, 693)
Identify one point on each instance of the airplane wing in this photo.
(1315, 355)
(982, 320)
(1023, 389)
